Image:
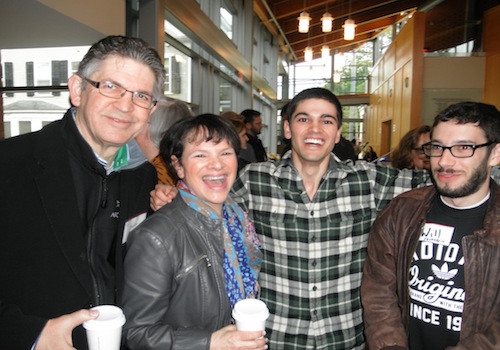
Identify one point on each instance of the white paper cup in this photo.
(250, 315)
(105, 332)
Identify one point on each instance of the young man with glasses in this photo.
(67, 201)
(431, 277)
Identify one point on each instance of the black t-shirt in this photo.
(436, 282)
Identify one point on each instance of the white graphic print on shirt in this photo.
(436, 276)
(433, 278)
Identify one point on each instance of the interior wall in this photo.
(396, 88)
(491, 29)
(449, 80)
(107, 17)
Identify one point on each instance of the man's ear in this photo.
(75, 89)
(338, 135)
(286, 130)
(495, 155)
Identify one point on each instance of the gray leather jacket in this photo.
(174, 295)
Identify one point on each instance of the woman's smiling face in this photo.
(208, 168)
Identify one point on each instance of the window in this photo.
(226, 22)
(42, 76)
(225, 95)
(172, 76)
(59, 75)
(74, 67)
(30, 80)
(9, 76)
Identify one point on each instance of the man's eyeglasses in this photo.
(113, 90)
(457, 151)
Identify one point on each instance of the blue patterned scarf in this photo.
(242, 255)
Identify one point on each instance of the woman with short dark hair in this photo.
(189, 263)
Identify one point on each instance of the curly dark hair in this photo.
(486, 116)
(402, 157)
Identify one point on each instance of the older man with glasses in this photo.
(67, 201)
(431, 280)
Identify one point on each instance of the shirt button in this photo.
(313, 239)
(312, 212)
(315, 288)
(314, 263)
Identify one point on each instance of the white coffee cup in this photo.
(250, 315)
(105, 332)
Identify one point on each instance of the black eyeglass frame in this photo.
(97, 85)
(428, 152)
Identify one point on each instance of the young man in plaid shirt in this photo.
(313, 214)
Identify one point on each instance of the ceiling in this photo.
(448, 22)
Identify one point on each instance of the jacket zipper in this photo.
(102, 202)
(188, 269)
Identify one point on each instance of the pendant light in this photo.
(308, 54)
(325, 52)
(326, 21)
(304, 19)
(349, 29)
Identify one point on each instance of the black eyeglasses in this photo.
(113, 90)
(457, 151)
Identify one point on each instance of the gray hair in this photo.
(167, 112)
(123, 46)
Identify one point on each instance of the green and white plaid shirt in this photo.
(314, 250)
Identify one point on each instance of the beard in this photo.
(476, 180)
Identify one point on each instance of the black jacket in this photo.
(258, 148)
(44, 268)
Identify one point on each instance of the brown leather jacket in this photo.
(384, 289)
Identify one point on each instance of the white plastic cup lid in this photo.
(250, 309)
(110, 317)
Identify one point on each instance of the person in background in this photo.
(167, 112)
(344, 150)
(66, 203)
(409, 153)
(430, 280)
(370, 155)
(357, 147)
(286, 144)
(237, 121)
(189, 263)
(253, 123)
